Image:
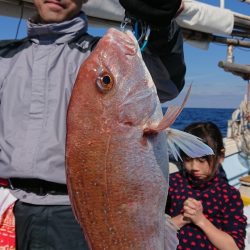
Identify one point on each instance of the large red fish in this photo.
(116, 153)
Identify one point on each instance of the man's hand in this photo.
(154, 12)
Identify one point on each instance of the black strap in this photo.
(13, 42)
(84, 42)
(8, 48)
(38, 186)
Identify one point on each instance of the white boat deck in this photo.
(235, 164)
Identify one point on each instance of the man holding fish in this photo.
(37, 75)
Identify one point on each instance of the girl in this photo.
(205, 208)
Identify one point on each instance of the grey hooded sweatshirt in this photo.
(36, 80)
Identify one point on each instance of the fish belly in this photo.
(119, 199)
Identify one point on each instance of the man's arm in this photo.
(163, 55)
(164, 58)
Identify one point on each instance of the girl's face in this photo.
(197, 167)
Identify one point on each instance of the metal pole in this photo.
(248, 95)
(222, 4)
(230, 53)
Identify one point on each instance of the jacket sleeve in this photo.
(164, 58)
(234, 220)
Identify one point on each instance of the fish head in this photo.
(114, 82)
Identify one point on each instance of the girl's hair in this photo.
(211, 135)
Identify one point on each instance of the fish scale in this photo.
(117, 177)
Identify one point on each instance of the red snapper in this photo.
(117, 152)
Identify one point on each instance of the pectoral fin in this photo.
(176, 139)
(191, 145)
(169, 118)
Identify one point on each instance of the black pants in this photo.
(47, 228)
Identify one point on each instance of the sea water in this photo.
(189, 115)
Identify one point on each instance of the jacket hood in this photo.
(57, 32)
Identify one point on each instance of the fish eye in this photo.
(106, 79)
(105, 82)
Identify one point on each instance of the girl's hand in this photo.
(193, 211)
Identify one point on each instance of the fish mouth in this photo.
(132, 42)
(125, 41)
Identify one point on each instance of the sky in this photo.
(212, 87)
